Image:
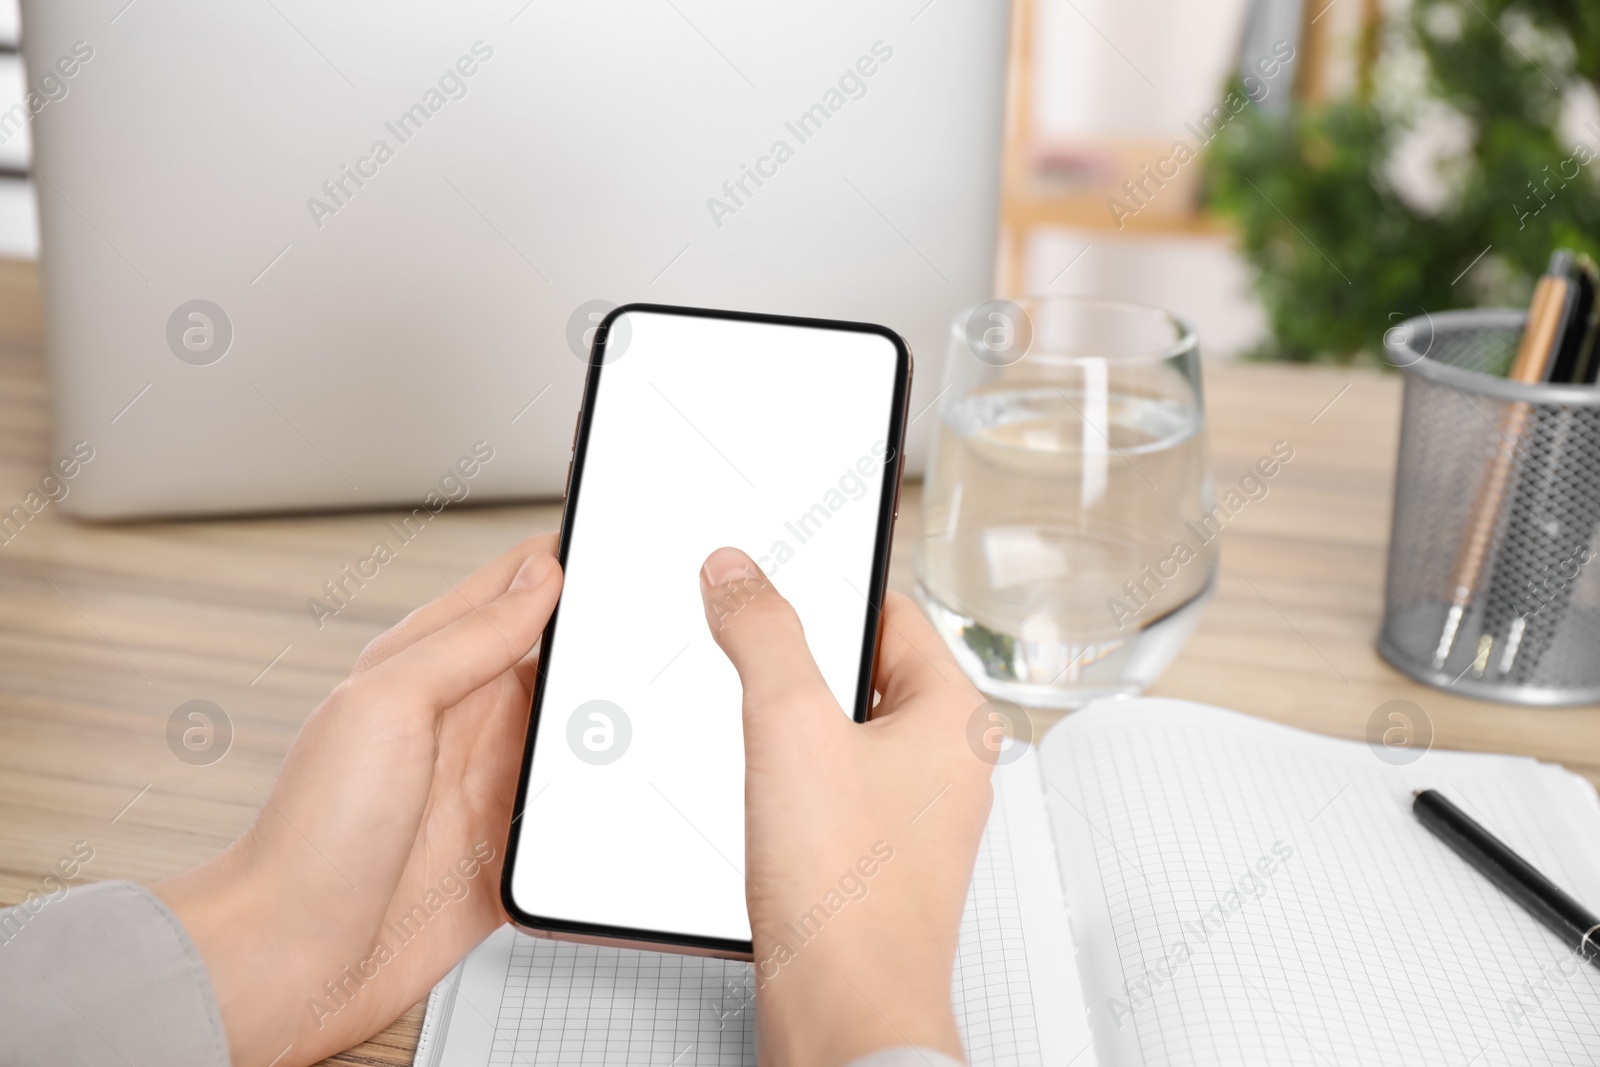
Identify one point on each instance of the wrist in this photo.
(226, 911)
(820, 1009)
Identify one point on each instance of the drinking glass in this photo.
(1068, 545)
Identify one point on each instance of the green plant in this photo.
(1341, 254)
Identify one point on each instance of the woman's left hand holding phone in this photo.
(387, 821)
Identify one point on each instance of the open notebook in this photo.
(1160, 883)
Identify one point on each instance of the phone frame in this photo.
(872, 637)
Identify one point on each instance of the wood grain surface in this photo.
(106, 629)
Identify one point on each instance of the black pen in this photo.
(1543, 899)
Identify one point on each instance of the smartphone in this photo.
(779, 436)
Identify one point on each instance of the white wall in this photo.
(1130, 66)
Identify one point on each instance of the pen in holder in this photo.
(1493, 590)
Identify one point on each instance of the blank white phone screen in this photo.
(704, 432)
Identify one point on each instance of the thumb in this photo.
(761, 635)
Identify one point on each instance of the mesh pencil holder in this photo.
(1493, 588)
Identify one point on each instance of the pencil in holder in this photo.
(1493, 587)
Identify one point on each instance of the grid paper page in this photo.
(524, 1000)
(1247, 893)
(992, 993)
(566, 1003)
(1017, 996)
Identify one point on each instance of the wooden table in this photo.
(105, 629)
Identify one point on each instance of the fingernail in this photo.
(533, 573)
(726, 564)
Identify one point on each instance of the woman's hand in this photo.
(375, 864)
(859, 839)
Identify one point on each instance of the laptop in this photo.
(312, 256)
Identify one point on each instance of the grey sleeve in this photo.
(906, 1057)
(104, 974)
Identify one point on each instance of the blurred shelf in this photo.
(1046, 183)
(1077, 185)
